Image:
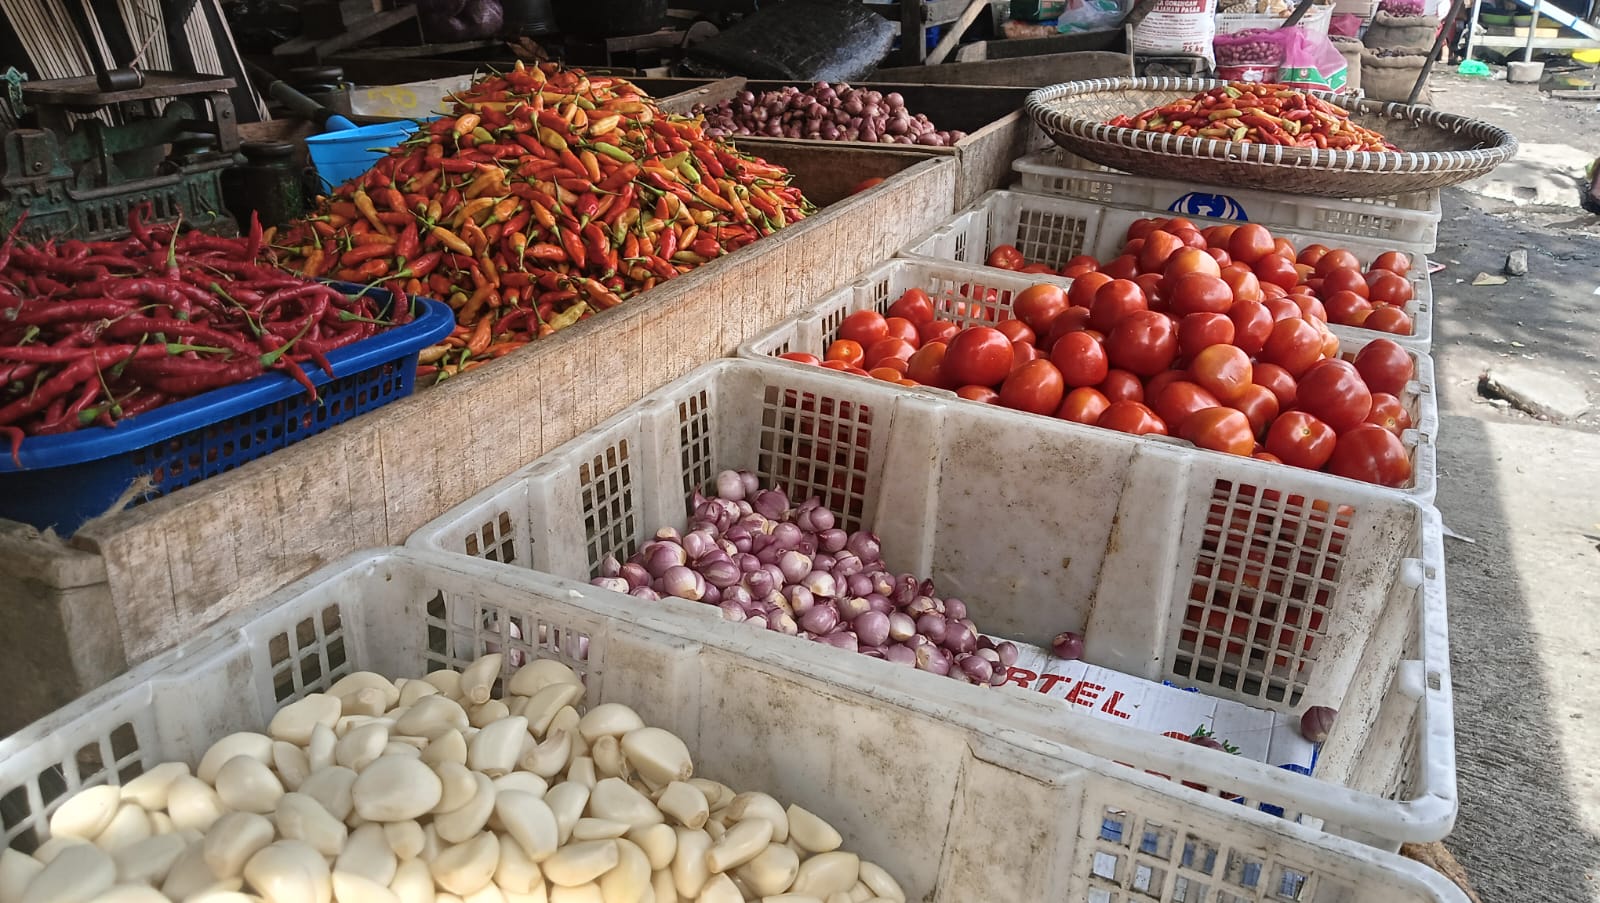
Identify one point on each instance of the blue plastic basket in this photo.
(345, 155)
(67, 479)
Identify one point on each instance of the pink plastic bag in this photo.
(1292, 56)
(1346, 26)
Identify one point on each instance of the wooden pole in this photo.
(1438, 45)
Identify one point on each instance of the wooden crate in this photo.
(998, 130)
(138, 581)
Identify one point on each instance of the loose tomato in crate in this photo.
(1364, 286)
(1208, 365)
(956, 542)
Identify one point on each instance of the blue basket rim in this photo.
(432, 323)
(394, 128)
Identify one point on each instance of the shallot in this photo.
(827, 112)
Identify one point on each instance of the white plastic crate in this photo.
(1137, 544)
(957, 810)
(1409, 222)
(1055, 230)
(953, 286)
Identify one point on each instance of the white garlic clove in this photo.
(149, 790)
(395, 789)
(659, 756)
(245, 784)
(300, 817)
(294, 722)
(290, 871)
(78, 875)
(86, 813)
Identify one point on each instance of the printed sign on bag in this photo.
(1216, 206)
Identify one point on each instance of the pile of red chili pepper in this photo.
(548, 196)
(94, 332)
(1263, 113)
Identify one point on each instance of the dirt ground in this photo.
(1521, 499)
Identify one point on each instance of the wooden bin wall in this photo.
(141, 580)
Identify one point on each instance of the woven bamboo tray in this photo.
(1440, 149)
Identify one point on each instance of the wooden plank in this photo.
(952, 36)
(175, 565)
(1025, 72)
(710, 93)
(354, 33)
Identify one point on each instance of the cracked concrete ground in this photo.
(1525, 592)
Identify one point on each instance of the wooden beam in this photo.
(913, 39)
(952, 37)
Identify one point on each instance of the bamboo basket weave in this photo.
(1438, 149)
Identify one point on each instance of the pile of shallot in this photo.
(830, 112)
(790, 568)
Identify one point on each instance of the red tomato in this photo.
(1124, 267)
(1035, 387)
(1039, 305)
(1154, 386)
(1278, 380)
(1243, 281)
(1084, 288)
(1337, 259)
(1083, 260)
(1387, 288)
(1016, 331)
(1284, 248)
(864, 327)
(978, 356)
(1038, 268)
(1294, 345)
(843, 367)
(864, 184)
(1222, 370)
(1152, 284)
(1132, 249)
(901, 328)
(1220, 429)
(1252, 324)
(1268, 457)
(1344, 280)
(1140, 228)
(1181, 399)
(800, 357)
(1249, 243)
(1197, 293)
(1197, 332)
(937, 331)
(1120, 385)
(1372, 454)
(1132, 417)
(1259, 404)
(887, 374)
(1192, 238)
(1330, 342)
(1301, 440)
(1144, 342)
(1220, 256)
(1006, 257)
(1277, 270)
(1023, 352)
(1083, 405)
(1271, 290)
(1393, 261)
(1073, 319)
(914, 305)
(1081, 359)
(1314, 310)
(1342, 307)
(1189, 260)
(1282, 308)
(1115, 300)
(1310, 254)
(926, 366)
(1385, 366)
(1073, 272)
(1392, 320)
(889, 349)
(1333, 392)
(1389, 413)
(1159, 246)
(1217, 236)
(846, 351)
(979, 393)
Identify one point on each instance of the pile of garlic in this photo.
(432, 790)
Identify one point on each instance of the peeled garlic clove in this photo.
(366, 853)
(588, 893)
(516, 873)
(256, 746)
(230, 843)
(364, 681)
(351, 888)
(291, 764)
(615, 800)
(395, 789)
(290, 871)
(792, 898)
(689, 872)
(538, 674)
(132, 893)
(759, 805)
(413, 883)
(223, 892)
(414, 690)
(432, 716)
(530, 822)
(192, 804)
(568, 802)
(129, 825)
(331, 788)
(495, 748)
(582, 770)
(827, 873)
(566, 719)
(549, 757)
(658, 755)
(361, 746)
(294, 722)
(526, 781)
(450, 746)
(466, 867)
(607, 755)
(246, 785)
(369, 702)
(881, 883)
(718, 795)
(659, 843)
(405, 838)
(460, 824)
(629, 880)
(79, 874)
(684, 804)
(17, 869)
(447, 680)
(477, 681)
(145, 862)
(300, 817)
(319, 752)
(740, 844)
(189, 874)
(542, 707)
(720, 889)
(149, 790)
(610, 719)
(457, 787)
(598, 829)
(771, 872)
(812, 833)
(578, 864)
(86, 813)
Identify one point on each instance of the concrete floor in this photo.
(1525, 590)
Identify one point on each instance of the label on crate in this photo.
(1162, 708)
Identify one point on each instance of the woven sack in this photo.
(1390, 78)
(1402, 32)
(1351, 49)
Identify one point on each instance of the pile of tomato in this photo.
(1253, 261)
(1179, 349)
